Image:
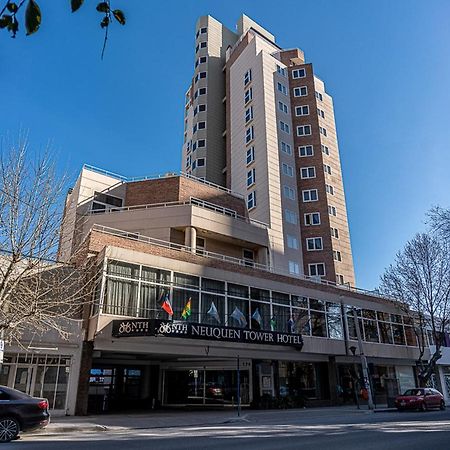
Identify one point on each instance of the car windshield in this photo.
(414, 392)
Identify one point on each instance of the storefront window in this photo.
(385, 333)
(281, 315)
(210, 305)
(149, 300)
(318, 324)
(264, 312)
(302, 323)
(122, 269)
(155, 275)
(121, 297)
(318, 305)
(236, 290)
(299, 302)
(399, 337)
(213, 286)
(410, 336)
(260, 294)
(242, 305)
(183, 280)
(278, 297)
(370, 330)
(334, 326)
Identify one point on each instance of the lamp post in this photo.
(364, 365)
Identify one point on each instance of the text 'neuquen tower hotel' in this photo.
(258, 121)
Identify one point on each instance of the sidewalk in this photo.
(180, 418)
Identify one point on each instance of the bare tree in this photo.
(36, 293)
(420, 278)
(439, 220)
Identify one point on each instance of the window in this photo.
(194, 164)
(327, 169)
(287, 170)
(281, 71)
(202, 91)
(325, 149)
(308, 172)
(248, 255)
(323, 131)
(306, 150)
(304, 130)
(339, 279)
(300, 91)
(337, 255)
(312, 219)
(290, 216)
(282, 107)
(329, 189)
(294, 268)
(251, 200)
(194, 146)
(247, 77)
(201, 125)
(319, 96)
(298, 73)
(334, 233)
(249, 114)
(194, 128)
(250, 155)
(289, 192)
(310, 195)
(249, 135)
(188, 161)
(201, 108)
(203, 44)
(282, 88)
(248, 95)
(314, 244)
(200, 162)
(286, 148)
(302, 110)
(197, 48)
(202, 59)
(201, 143)
(332, 210)
(284, 127)
(250, 177)
(200, 76)
(292, 242)
(316, 270)
(321, 113)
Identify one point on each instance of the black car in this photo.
(20, 412)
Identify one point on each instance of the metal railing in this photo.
(192, 201)
(233, 260)
(159, 176)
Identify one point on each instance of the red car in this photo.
(421, 399)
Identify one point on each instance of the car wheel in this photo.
(442, 405)
(423, 407)
(9, 429)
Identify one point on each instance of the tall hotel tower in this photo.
(259, 122)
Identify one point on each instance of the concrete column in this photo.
(190, 238)
(443, 384)
(332, 380)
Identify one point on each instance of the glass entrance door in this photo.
(23, 379)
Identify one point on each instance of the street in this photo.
(290, 429)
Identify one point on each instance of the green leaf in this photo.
(12, 7)
(76, 4)
(32, 17)
(5, 20)
(119, 16)
(102, 7)
(105, 22)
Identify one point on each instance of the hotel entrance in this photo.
(206, 386)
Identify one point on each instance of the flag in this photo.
(187, 311)
(273, 323)
(291, 325)
(239, 317)
(256, 316)
(166, 306)
(212, 311)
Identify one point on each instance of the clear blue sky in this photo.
(385, 62)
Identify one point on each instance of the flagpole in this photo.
(238, 388)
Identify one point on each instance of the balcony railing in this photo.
(192, 202)
(159, 176)
(232, 260)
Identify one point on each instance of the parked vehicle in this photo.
(20, 412)
(421, 399)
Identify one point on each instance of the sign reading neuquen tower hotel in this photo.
(167, 328)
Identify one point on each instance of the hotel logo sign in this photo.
(167, 328)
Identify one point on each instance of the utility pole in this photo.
(365, 367)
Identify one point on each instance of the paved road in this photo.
(271, 430)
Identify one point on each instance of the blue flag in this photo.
(291, 325)
(256, 316)
(239, 317)
(212, 311)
